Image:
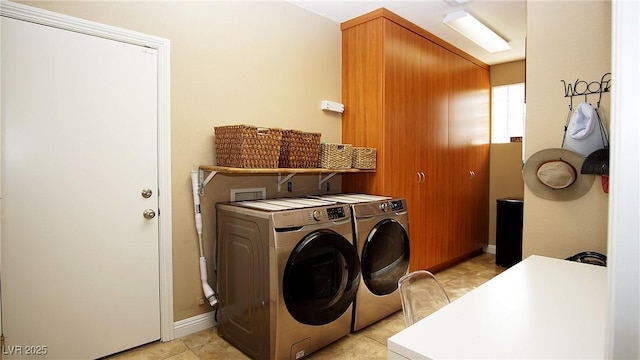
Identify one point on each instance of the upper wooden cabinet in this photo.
(425, 106)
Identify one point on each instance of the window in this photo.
(508, 113)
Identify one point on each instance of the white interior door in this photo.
(80, 270)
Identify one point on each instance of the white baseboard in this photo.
(193, 324)
(491, 249)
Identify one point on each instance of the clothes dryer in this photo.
(287, 275)
(381, 238)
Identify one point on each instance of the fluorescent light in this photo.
(462, 22)
(455, 3)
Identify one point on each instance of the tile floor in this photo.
(368, 343)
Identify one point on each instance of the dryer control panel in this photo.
(396, 205)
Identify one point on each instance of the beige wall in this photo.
(271, 63)
(505, 159)
(508, 73)
(263, 63)
(567, 40)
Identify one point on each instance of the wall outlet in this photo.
(200, 301)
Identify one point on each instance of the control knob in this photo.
(384, 206)
(317, 215)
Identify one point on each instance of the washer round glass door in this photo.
(385, 257)
(321, 278)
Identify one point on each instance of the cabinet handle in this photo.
(472, 174)
(421, 177)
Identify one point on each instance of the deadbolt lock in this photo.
(146, 193)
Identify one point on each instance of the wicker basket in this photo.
(246, 146)
(363, 158)
(299, 149)
(335, 156)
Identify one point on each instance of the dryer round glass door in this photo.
(321, 278)
(385, 257)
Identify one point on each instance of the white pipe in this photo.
(206, 288)
(208, 291)
(196, 206)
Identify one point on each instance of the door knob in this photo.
(149, 214)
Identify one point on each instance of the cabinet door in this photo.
(362, 94)
(433, 108)
(468, 156)
(480, 157)
(403, 130)
(402, 125)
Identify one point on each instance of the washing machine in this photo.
(287, 275)
(381, 238)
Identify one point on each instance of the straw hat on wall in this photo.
(554, 174)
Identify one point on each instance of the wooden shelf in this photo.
(289, 173)
(230, 170)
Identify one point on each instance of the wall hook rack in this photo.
(584, 88)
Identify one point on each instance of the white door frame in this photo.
(48, 18)
(623, 317)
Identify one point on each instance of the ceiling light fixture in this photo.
(462, 22)
(455, 3)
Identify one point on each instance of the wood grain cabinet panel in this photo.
(425, 106)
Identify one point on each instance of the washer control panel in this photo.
(329, 213)
(335, 213)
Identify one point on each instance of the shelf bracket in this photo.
(282, 181)
(202, 181)
(322, 180)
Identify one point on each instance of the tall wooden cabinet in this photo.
(425, 106)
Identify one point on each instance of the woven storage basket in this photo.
(299, 149)
(246, 146)
(363, 158)
(335, 156)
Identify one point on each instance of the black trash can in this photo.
(509, 231)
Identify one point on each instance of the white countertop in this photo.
(541, 308)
